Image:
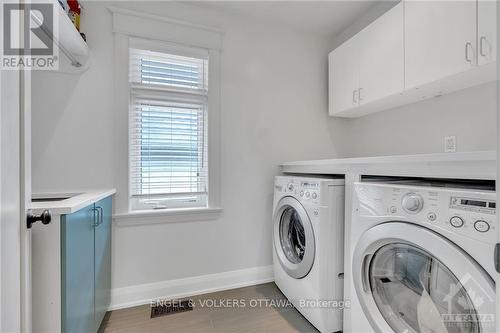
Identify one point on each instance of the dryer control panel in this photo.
(307, 190)
(474, 211)
(465, 212)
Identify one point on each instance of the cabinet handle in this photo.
(359, 94)
(482, 40)
(101, 215)
(45, 218)
(467, 46)
(96, 221)
(354, 98)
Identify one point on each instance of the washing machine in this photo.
(308, 252)
(421, 259)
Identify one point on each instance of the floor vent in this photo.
(171, 308)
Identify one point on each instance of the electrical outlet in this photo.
(450, 144)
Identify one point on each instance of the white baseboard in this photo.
(173, 289)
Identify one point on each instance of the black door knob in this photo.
(45, 218)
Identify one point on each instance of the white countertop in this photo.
(471, 165)
(75, 202)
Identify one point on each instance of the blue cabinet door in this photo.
(77, 260)
(102, 259)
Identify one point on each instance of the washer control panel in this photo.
(473, 211)
(308, 190)
(302, 190)
(470, 213)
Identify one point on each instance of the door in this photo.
(102, 258)
(381, 72)
(77, 257)
(344, 76)
(486, 31)
(410, 279)
(293, 238)
(10, 204)
(440, 39)
(498, 155)
(15, 198)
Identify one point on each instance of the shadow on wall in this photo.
(420, 128)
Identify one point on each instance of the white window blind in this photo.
(168, 129)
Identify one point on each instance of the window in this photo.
(168, 162)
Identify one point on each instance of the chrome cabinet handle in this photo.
(359, 94)
(482, 40)
(354, 98)
(96, 221)
(467, 46)
(101, 214)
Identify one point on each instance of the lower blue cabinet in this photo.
(86, 267)
(77, 260)
(102, 260)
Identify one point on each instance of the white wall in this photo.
(274, 109)
(420, 128)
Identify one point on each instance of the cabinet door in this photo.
(486, 32)
(77, 254)
(102, 259)
(440, 39)
(381, 57)
(344, 76)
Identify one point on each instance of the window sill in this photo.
(149, 217)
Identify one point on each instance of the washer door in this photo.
(410, 279)
(293, 238)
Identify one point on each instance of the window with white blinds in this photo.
(168, 128)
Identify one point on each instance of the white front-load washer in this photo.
(421, 259)
(308, 252)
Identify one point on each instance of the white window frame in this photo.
(129, 25)
(172, 95)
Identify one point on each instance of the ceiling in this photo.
(320, 17)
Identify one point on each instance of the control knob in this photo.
(413, 203)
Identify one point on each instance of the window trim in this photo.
(146, 26)
(152, 217)
(165, 94)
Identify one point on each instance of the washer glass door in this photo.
(292, 235)
(293, 238)
(412, 288)
(410, 279)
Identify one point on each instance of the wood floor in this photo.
(253, 311)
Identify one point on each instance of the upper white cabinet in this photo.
(344, 76)
(368, 66)
(440, 39)
(381, 57)
(417, 50)
(486, 31)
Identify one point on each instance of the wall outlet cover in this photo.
(450, 144)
